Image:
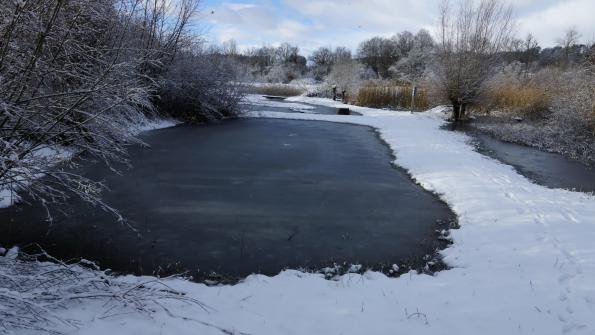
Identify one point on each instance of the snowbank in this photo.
(260, 101)
(153, 124)
(523, 260)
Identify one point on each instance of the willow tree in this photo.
(471, 41)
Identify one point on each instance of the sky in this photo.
(314, 23)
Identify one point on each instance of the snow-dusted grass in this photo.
(32, 290)
(522, 262)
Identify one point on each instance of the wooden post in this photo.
(413, 92)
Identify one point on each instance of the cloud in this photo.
(314, 23)
(551, 22)
(387, 16)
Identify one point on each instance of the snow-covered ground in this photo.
(523, 261)
(308, 85)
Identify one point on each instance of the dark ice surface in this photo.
(244, 196)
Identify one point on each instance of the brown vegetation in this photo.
(282, 90)
(391, 95)
(528, 99)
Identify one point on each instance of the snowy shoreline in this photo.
(522, 261)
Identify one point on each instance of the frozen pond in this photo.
(247, 196)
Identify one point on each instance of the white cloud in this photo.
(550, 23)
(314, 23)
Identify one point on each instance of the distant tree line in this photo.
(474, 42)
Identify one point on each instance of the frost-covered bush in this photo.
(200, 87)
(574, 102)
(346, 76)
(568, 127)
(278, 73)
(78, 74)
(513, 91)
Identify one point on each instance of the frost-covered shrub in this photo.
(412, 67)
(78, 74)
(199, 87)
(569, 125)
(278, 74)
(512, 91)
(574, 103)
(346, 76)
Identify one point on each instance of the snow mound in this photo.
(261, 101)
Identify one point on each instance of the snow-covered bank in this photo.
(257, 101)
(523, 260)
(51, 155)
(153, 124)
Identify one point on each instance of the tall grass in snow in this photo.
(526, 99)
(283, 90)
(382, 95)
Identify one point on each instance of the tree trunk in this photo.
(456, 111)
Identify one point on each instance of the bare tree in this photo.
(405, 41)
(199, 86)
(590, 61)
(287, 53)
(423, 41)
(379, 54)
(323, 59)
(230, 48)
(470, 45)
(570, 39)
(341, 54)
(529, 52)
(412, 66)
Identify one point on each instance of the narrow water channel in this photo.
(245, 196)
(545, 168)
